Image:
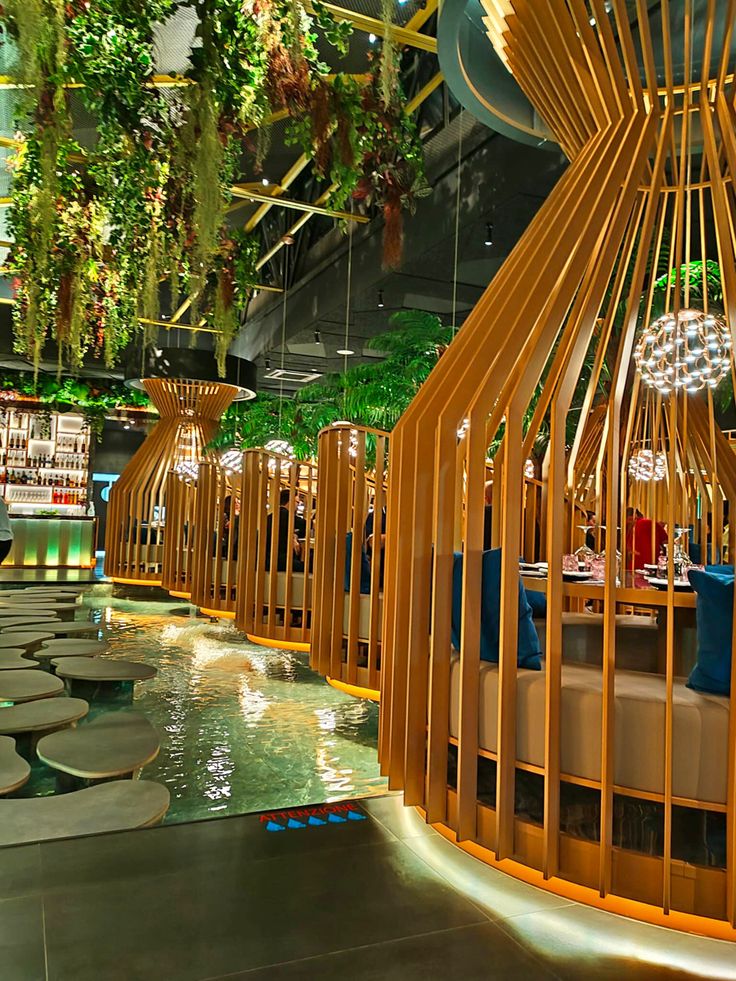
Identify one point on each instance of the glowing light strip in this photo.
(631, 908)
(279, 645)
(218, 614)
(355, 690)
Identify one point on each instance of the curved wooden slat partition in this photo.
(348, 589)
(218, 524)
(176, 572)
(274, 595)
(649, 186)
(136, 517)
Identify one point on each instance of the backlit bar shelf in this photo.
(44, 462)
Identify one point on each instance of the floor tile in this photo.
(402, 821)
(169, 849)
(497, 894)
(579, 942)
(475, 953)
(21, 939)
(20, 871)
(207, 922)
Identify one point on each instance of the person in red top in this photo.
(642, 539)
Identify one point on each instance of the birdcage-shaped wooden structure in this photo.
(176, 570)
(275, 562)
(218, 523)
(347, 608)
(546, 768)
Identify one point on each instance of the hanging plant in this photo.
(375, 154)
(97, 230)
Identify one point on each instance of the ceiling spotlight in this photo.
(380, 299)
(346, 351)
(371, 38)
(592, 21)
(265, 181)
(317, 337)
(489, 234)
(126, 424)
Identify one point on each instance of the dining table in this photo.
(636, 592)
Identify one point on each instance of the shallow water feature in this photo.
(243, 728)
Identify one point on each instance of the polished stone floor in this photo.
(354, 891)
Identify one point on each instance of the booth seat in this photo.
(229, 573)
(298, 584)
(364, 617)
(699, 740)
(582, 640)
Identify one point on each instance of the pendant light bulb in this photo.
(268, 364)
(380, 299)
(489, 234)
(317, 337)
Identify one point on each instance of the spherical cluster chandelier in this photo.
(279, 446)
(187, 470)
(690, 350)
(647, 465)
(232, 461)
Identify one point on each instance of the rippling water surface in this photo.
(243, 728)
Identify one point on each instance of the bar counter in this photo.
(52, 541)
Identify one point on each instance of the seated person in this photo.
(647, 540)
(370, 540)
(230, 526)
(283, 535)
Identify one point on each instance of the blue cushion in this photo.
(538, 603)
(529, 651)
(365, 566)
(714, 615)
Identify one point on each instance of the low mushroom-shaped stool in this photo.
(25, 620)
(27, 686)
(63, 647)
(14, 770)
(62, 611)
(55, 589)
(12, 659)
(74, 629)
(9, 612)
(31, 720)
(121, 805)
(39, 599)
(95, 677)
(29, 640)
(117, 744)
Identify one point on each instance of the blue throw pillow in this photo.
(365, 566)
(529, 651)
(538, 603)
(714, 615)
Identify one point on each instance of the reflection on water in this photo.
(243, 728)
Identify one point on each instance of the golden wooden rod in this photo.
(313, 209)
(370, 25)
(155, 82)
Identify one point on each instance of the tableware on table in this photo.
(598, 567)
(680, 585)
(580, 576)
(570, 563)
